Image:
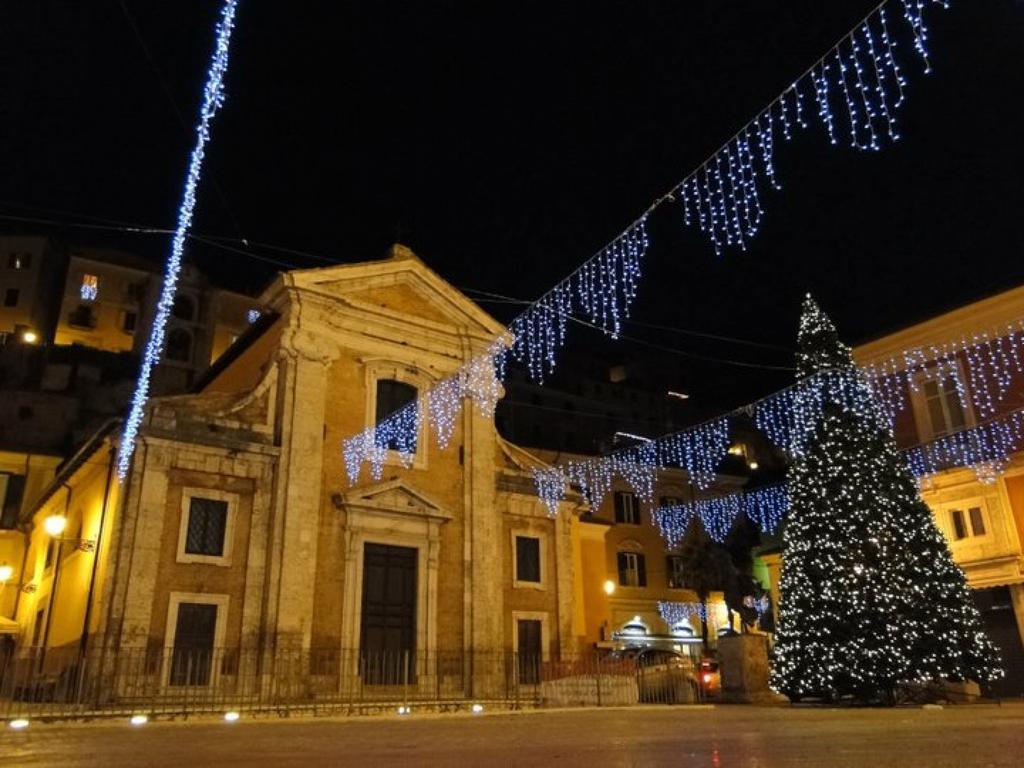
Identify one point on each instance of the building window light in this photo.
(90, 288)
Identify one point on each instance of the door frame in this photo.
(545, 631)
(219, 629)
(362, 596)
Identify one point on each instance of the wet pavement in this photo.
(754, 737)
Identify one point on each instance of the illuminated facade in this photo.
(236, 526)
(982, 519)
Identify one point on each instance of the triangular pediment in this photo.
(395, 496)
(401, 286)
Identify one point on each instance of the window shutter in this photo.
(977, 521)
(623, 569)
(641, 571)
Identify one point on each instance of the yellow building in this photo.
(29, 271)
(982, 519)
(108, 301)
(236, 541)
(625, 569)
(23, 477)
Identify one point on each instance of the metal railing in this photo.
(176, 682)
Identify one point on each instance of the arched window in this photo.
(635, 627)
(683, 631)
(179, 345)
(183, 308)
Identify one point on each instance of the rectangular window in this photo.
(90, 288)
(674, 571)
(959, 525)
(632, 569)
(528, 559)
(82, 317)
(529, 650)
(192, 656)
(207, 523)
(37, 627)
(944, 406)
(626, 508)
(11, 297)
(977, 521)
(128, 320)
(393, 396)
(12, 488)
(967, 524)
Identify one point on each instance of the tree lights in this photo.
(871, 597)
(213, 99)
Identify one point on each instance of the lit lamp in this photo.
(30, 337)
(609, 587)
(6, 572)
(54, 525)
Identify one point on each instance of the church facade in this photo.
(237, 541)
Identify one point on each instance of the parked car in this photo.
(663, 677)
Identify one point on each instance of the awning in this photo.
(8, 627)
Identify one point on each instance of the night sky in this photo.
(506, 142)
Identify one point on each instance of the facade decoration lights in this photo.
(213, 100)
(722, 198)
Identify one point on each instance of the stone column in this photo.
(484, 607)
(297, 499)
(1017, 598)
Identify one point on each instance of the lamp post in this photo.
(54, 525)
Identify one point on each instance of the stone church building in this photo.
(237, 529)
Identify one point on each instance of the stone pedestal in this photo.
(743, 662)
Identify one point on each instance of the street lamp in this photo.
(6, 572)
(609, 587)
(54, 525)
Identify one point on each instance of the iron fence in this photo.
(177, 682)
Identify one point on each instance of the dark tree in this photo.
(705, 568)
(741, 588)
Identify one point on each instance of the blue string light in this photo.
(213, 100)
(722, 198)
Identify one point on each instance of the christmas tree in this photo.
(870, 596)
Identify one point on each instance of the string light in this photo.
(550, 484)
(986, 449)
(766, 507)
(213, 100)
(883, 97)
(676, 614)
(722, 198)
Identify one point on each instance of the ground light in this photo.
(478, 708)
(404, 710)
(231, 717)
(18, 724)
(139, 720)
